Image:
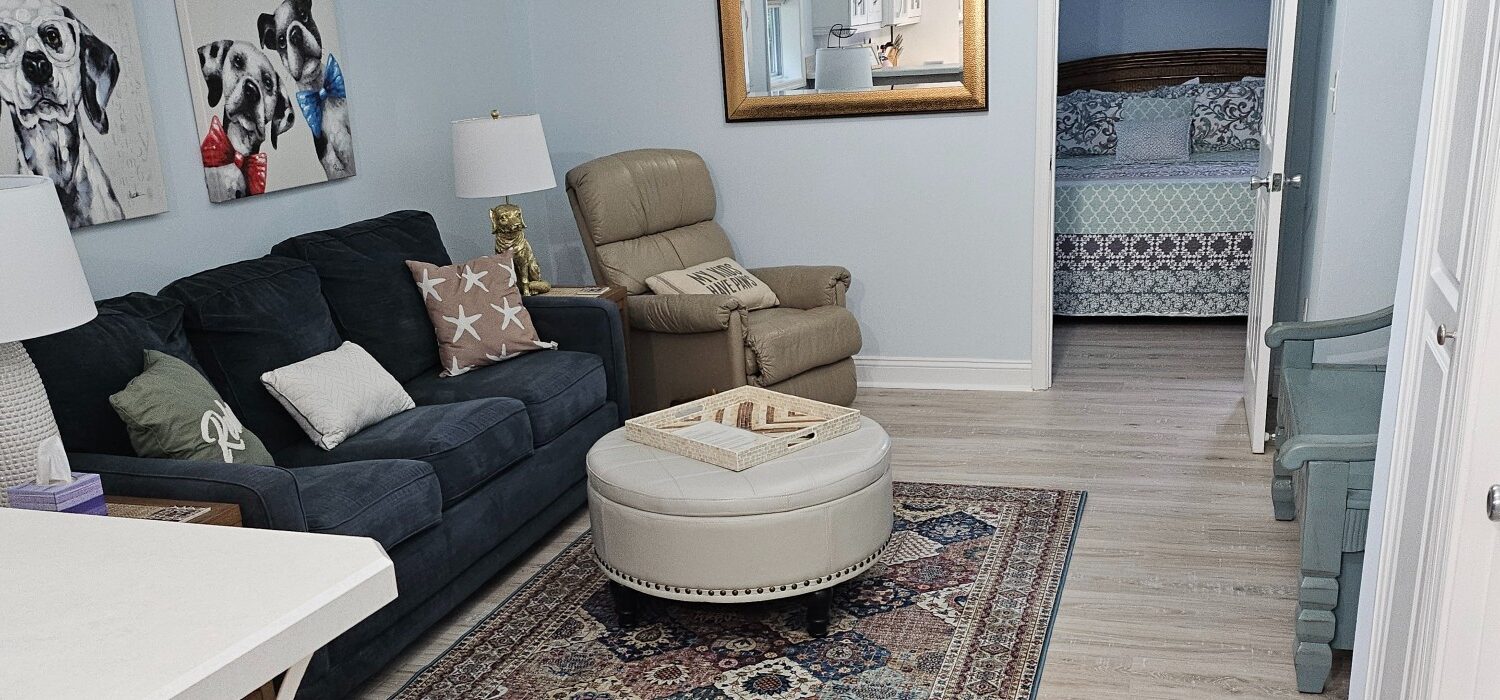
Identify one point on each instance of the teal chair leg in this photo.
(1283, 495)
(1315, 628)
(1324, 493)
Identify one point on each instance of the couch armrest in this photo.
(806, 286)
(683, 313)
(583, 324)
(1324, 330)
(267, 496)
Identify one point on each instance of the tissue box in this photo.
(84, 495)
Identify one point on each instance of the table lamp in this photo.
(499, 157)
(844, 68)
(42, 291)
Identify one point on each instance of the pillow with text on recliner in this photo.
(722, 276)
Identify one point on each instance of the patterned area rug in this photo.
(959, 606)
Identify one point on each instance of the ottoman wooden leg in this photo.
(818, 605)
(627, 604)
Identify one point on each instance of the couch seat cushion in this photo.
(784, 342)
(249, 318)
(387, 500)
(374, 301)
(83, 366)
(466, 443)
(559, 388)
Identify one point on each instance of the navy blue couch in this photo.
(455, 489)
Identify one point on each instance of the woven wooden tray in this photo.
(770, 425)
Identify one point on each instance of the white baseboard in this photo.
(950, 373)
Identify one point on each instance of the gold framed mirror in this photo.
(871, 57)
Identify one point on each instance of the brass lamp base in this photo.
(510, 234)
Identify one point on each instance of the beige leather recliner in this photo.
(645, 212)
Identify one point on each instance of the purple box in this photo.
(84, 495)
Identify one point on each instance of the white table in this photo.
(97, 607)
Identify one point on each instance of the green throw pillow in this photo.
(172, 412)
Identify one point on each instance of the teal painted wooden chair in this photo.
(1327, 419)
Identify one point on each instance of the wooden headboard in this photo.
(1137, 72)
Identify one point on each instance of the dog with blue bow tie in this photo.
(292, 32)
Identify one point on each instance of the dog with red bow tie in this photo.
(256, 110)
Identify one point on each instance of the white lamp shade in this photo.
(845, 68)
(501, 157)
(42, 287)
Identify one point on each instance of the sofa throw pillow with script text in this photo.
(722, 276)
(172, 412)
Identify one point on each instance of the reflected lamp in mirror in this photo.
(893, 57)
(499, 156)
(844, 68)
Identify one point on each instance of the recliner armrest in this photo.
(585, 324)
(267, 496)
(1333, 328)
(806, 286)
(683, 313)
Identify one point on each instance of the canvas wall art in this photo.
(269, 94)
(74, 107)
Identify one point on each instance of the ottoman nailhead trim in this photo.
(842, 574)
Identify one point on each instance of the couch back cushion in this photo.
(82, 367)
(375, 304)
(249, 318)
(646, 212)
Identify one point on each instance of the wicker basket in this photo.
(779, 424)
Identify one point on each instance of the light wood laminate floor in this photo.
(1181, 585)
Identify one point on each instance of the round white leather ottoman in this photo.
(674, 527)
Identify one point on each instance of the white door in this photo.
(1432, 620)
(1269, 182)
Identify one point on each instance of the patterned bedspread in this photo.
(1154, 239)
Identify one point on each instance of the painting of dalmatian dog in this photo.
(270, 94)
(74, 107)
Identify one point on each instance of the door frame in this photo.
(1042, 207)
(1398, 630)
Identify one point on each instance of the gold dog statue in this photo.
(510, 234)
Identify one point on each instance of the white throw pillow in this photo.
(722, 276)
(337, 394)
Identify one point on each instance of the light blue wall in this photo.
(1365, 139)
(1091, 28)
(932, 214)
(410, 74)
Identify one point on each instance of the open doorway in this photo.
(1159, 129)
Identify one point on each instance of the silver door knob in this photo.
(1444, 335)
(1492, 503)
(1295, 181)
(1259, 182)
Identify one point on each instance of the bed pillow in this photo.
(1137, 108)
(722, 276)
(1153, 140)
(337, 394)
(1227, 116)
(1086, 123)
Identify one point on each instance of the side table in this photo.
(196, 512)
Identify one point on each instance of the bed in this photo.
(1157, 238)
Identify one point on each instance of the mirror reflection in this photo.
(797, 47)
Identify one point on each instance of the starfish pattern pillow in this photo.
(476, 312)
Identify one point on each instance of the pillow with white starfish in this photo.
(476, 312)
